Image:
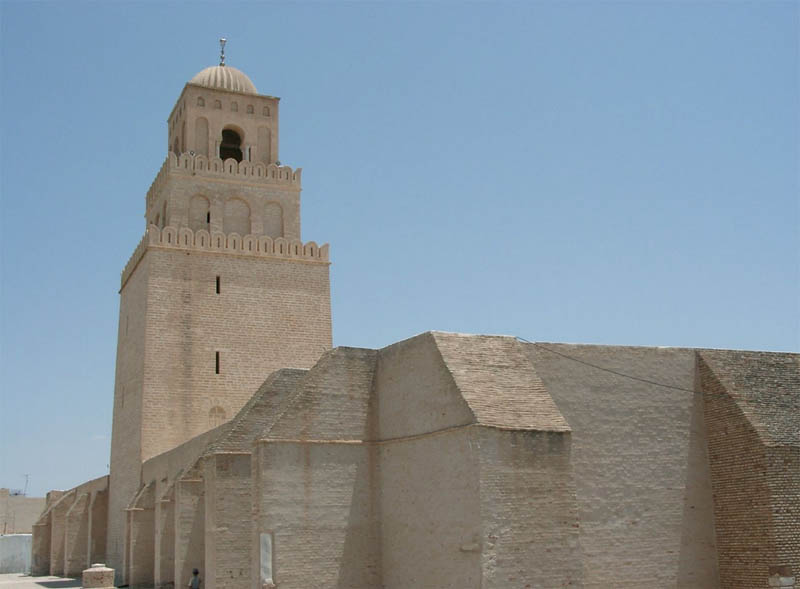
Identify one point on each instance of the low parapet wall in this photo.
(216, 241)
(200, 165)
(15, 553)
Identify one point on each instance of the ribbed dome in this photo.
(225, 77)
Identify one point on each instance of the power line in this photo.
(612, 371)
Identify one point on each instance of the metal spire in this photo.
(222, 42)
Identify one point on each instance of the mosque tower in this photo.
(221, 291)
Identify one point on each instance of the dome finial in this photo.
(222, 42)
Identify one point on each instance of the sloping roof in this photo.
(765, 386)
(498, 382)
(258, 413)
(332, 401)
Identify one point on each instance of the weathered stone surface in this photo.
(98, 576)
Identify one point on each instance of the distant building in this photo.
(243, 445)
(18, 512)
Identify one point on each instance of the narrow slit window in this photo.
(217, 284)
(208, 217)
(216, 363)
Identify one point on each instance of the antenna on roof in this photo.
(222, 42)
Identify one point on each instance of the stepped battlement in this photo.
(214, 167)
(231, 243)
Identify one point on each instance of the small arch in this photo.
(281, 246)
(217, 104)
(273, 220)
(265, 111)
(237, 217)
(200, 101)
(250, 244)
(216, 416)
(199, 213)
(231, 145)
(234, 106)
(250, 109)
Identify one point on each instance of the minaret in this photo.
(221, 291)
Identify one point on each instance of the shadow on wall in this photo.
(697, 563)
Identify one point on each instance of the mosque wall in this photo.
(639, 462)
(529, 527)
(431, 511)
(316, 522)
(229, 522)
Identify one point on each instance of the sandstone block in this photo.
(98, 576)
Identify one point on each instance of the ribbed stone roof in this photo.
(225, 77)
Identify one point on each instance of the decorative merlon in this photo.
(213, 167)
(231, 243)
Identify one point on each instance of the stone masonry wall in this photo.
(783, 479)
(529, 512)
(639, 461)
(430, 508)
(126, 455)
(739, 471)
(317, 501)
(268, 314)
(228, 520)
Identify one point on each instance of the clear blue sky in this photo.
(613, 173)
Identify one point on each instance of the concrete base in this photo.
(98, 576)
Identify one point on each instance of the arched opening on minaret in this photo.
(231, 145)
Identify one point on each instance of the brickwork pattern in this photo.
(58, 525)
(332, 401)
(164, 567)
(528, 510)
(638, 454)
(752, 420)
(315, 499)
(228, 520)
(126, 432)
(189, 528)
(496, 379)
(141, 538)
(430, 511)
(268, 314)
(76, 536)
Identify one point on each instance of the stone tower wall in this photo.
(126, 426)
(207, 351)
(206, 193)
